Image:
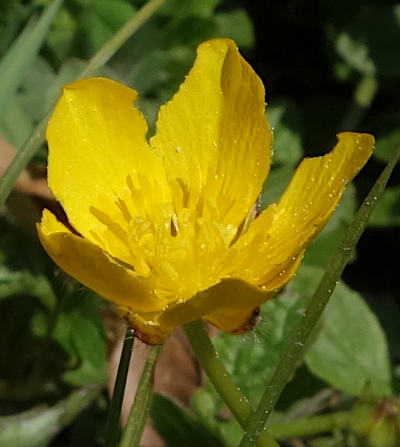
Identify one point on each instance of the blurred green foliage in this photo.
(312, 60)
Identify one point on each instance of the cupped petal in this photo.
(230, 293)
(213, 135)
(94, 268)
(230, 306)
(98, 155)
(274, 243)
(234, 321)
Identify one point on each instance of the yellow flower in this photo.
(165, 229)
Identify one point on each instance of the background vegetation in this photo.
(327, 67)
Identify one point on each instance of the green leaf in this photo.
(21, 55)
(386, 145)
(321, 250)
(277, 180)
(16, 124)
(28, 105)
(37, 427)
(68, 72)
(237, 25)
(198, 8)
(355, 53)
(85, 374)
(252, 358)
(114, 12)
(23, 265)
(61, 36)
(96, 29)
(366, 48)
(283, 118)
(351, 350)
(178, 427)
(34, 87)
(387, 211)
(80, 335)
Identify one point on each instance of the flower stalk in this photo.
(141, 406)
(114, 411)
(221, 379)
(296, 346)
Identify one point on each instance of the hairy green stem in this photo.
(307, 322)
(31, 146)
(114, 411)
(313, 425)
(141, 406)
(220, 378)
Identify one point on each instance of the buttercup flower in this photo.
(165, 229)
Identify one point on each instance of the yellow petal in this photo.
(276, 239)
(234, 321)
(213, 134)
(98, 155)
(229, 294)
(230, 306)
(94, 268)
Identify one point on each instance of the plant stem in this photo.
(141, 406)
(31, 146)
(220, 378)
(307, 322)
(311, 426)
(114, 411)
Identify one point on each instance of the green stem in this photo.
(141, 406)
(221, 379)
(31, 146)
(311, 426)
(114, 411)
(306, 324)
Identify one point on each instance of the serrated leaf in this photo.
(351, 350)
